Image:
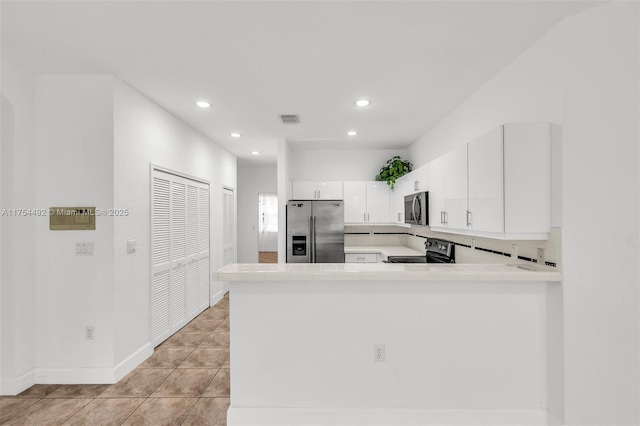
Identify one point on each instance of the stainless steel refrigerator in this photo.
(315, 231)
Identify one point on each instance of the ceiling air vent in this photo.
(289, 119)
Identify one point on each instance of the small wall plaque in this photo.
(72, 218)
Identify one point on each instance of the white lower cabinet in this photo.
(366, 202)
(361, 258)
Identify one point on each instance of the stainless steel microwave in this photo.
(416, 208)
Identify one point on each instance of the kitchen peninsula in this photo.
(390, 344)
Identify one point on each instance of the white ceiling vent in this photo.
(290, 119)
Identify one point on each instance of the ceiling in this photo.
(253, 61)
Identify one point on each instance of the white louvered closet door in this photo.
(180, 252)
(228, 224)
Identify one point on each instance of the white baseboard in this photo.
(237, 416)
(553, 421)
(15, 386)
(215, 298)
(132, 361)
(75, 376)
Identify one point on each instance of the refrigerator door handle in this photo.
(313, 250)
(310, 243)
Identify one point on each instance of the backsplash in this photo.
(469, 249)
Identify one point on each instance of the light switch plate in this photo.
(132, 246)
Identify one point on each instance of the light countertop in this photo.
(385, 272)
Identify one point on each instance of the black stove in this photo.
(436, 251)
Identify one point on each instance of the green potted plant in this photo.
(395, 168)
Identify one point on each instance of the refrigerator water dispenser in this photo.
(299, 245)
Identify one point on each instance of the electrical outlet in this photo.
(132, 246)
(378, 353)
(514, 251)
(541, 256)
(89, 335)
(473, 243)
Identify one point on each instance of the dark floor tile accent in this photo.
(167, 357)
(209, 412)
(162, 412)
(186, 338)
(219, 337)
(140, 383)
(206, 357)
(105, 412)
(185, 382)
(38, 391)
(48, 412)
(220, 385)
(11, 406)
(77, 391)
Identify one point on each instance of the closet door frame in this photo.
(173, 326)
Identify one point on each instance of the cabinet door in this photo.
(355, 201)
(455, 188)
(436, 192)
(485, 168)
(420, 180)
(396, 200)
(330, 190)
(377, 202)
(303, 190)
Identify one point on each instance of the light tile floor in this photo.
(184, 382)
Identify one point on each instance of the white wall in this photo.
(144, 134)
(582, 75)
(17, 278)
(285, 164)
(601, 116)
(74, 167)
(318, 165)
(251, 182)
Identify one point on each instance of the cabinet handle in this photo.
(367, 217)
(399, 217)
(468, 217)
(446, 218)
(318, 194)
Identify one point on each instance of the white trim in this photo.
(74, 376)
(177, 173)
(132, 361)
(553, 421)
(237, 416)
(17, 385)
(216, 297)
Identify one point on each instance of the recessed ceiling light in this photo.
(352, 133)
(363, 102)
(203, 104)
(236, 135)
(255, 152)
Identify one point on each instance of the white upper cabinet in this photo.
(366, 202)
(455, 188)
(420, 179)
(436, 193)
(311, 190)
(485, 169)
(527, 180)
(304, 190)
(355, 201)
(498, 185)
(402, 187)
(377, 202)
